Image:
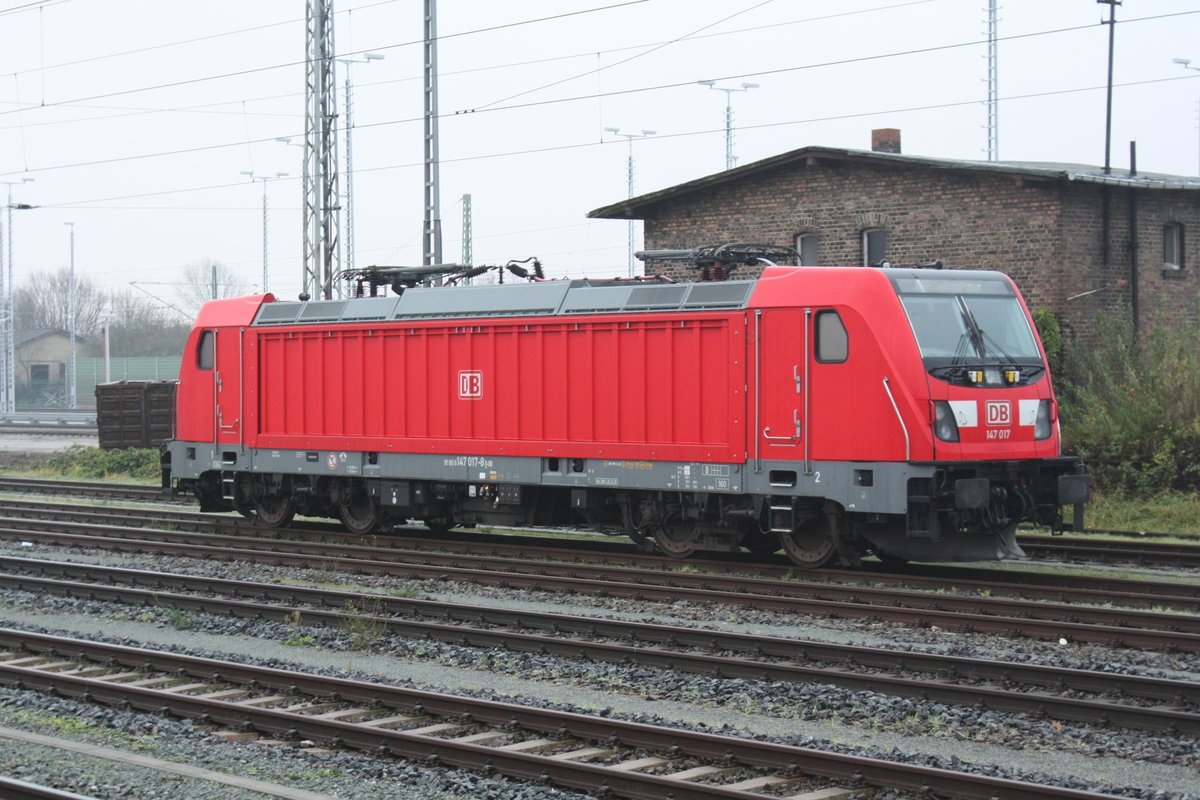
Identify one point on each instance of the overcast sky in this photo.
(136, 118)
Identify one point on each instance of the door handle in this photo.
(790, 439)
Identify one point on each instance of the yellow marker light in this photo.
(1012, 375)
(975, 375)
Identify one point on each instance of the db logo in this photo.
(999, 412)
(470, 384)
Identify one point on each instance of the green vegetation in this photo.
(1173, 512)
(362, 623)
(1130, 407)
(92, 463)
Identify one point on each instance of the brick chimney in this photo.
(885, 140)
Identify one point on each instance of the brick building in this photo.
(1062, 231)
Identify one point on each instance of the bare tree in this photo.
(209, 280)
(43, 302)
(140, 328)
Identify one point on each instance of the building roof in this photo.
(25, 337)
(637, 207)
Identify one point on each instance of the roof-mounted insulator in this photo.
(717, 262)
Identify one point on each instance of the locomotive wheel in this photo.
(358, 510)
(677, 540)
(811, 545)
(275, 511)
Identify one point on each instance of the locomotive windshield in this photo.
(968, 321)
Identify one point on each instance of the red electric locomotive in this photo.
(830, 412)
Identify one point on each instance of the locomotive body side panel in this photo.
(654, 388)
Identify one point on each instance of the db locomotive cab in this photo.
(993, 420)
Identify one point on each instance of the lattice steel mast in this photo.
(432, 231)
(321, 199)
(993, 69)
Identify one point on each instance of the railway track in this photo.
(1027, 585)
(1078, 695)
(94, 489)
(597, 754)
(1122, 550)
(979, 613)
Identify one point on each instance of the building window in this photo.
(39, 373)
(874, 243)
(806, 246)
(1173, 246)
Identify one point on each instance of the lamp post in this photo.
(349, 127)
(306, 234)
(264, 179)
(1186, 63)
(71, 364)
(745, 87)
(629, 180)
(105, 326)
(9, 343)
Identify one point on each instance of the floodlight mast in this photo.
(745, 87)
(1186, 63)
(348, 103)
(630, 228)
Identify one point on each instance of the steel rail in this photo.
(123, 491)
(1029, 585)
(786, 759)
(1101, 549)
(13, 789)
(1110, 551)
(457, 623)
(984, 614)
(245, 534)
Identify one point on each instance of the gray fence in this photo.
(88, 373)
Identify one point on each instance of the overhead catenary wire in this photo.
(661, 136)
(300, 63)
(489, 68)
(294, 64)
(625, 92)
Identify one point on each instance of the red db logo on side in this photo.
(999, 412)
(470, 384)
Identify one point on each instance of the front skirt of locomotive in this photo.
(969, 511)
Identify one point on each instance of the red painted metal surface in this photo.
(653, 386)
(676, 386)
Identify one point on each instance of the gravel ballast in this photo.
(806, 714)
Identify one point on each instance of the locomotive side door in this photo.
(780, 350)
(228, 407)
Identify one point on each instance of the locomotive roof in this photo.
(546, 298)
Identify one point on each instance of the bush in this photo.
(1131, 406)
(93, 463)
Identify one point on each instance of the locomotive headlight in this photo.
(1012, 375)
(1042, 427)
(944, 426)
(975, 375)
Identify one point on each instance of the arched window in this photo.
(874, 245)
(806, 246)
